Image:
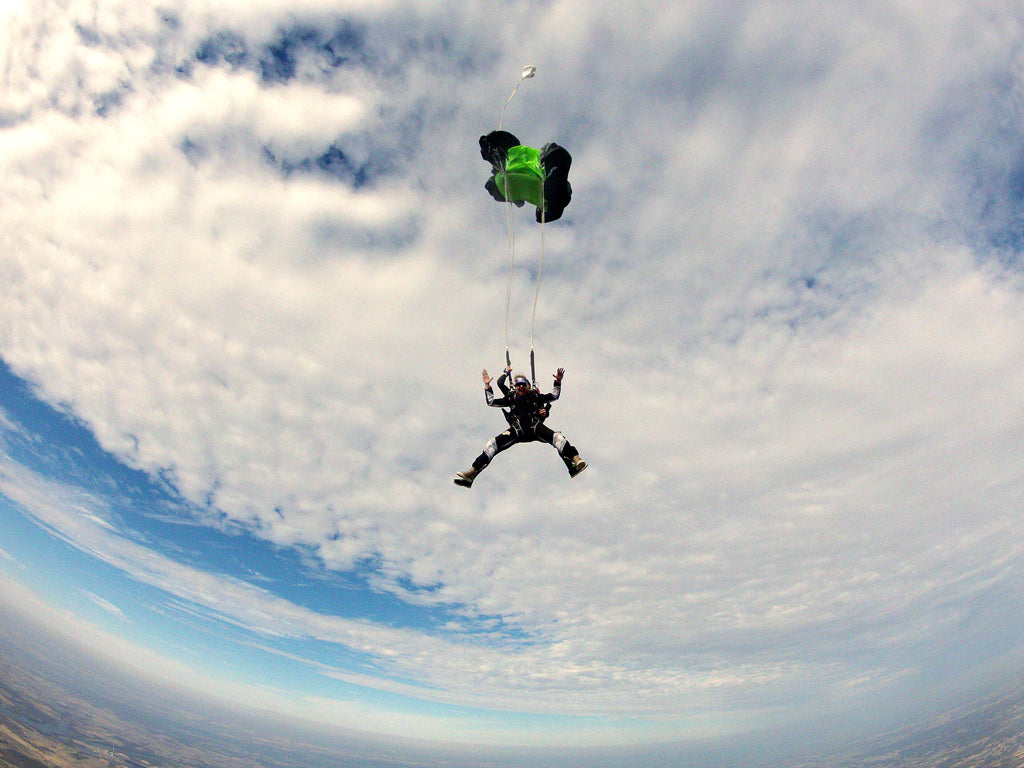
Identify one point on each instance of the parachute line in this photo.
(528, 71)
(522, 185)
(510, 216)
(536, 295)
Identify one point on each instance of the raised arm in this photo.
(556, 388)
(497, 402)
(502, 379)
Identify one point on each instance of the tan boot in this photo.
(578, 465)
(465, 479)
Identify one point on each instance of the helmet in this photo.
(520, 378)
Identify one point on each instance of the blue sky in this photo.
(250, 277)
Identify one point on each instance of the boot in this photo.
(576, 465)
(465, 479)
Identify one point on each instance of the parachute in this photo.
(519, 175)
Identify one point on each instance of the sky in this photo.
(250, 276)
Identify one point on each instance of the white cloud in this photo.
(104, 604)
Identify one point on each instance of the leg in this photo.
(569, 455)
(494, 446)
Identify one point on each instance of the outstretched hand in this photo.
(487, 378)
(559, 374)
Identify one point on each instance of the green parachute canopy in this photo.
(522, 181)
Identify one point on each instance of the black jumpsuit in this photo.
(526, 423)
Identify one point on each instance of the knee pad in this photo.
(559, 441)
(491, 448)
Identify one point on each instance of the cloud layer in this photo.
(248, 247)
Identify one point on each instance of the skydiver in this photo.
(527, 410)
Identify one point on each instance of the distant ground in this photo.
(989, 734)
(54, 714)
(43, 725)
(60, 708)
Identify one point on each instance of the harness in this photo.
(528, 412)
